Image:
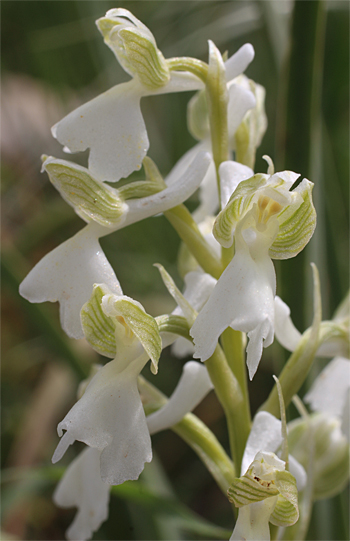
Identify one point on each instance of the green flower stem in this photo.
(196, 434)
(232, 400)
(193, 65)
(233, 346)
(187, 229)
(217, 96)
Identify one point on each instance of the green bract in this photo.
(135, 47)
(154, 182)
(109, 320)
(92, 200)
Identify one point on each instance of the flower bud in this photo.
(319, 440)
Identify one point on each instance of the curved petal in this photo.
(67, 275)
(112, 127)
(192, 387)
(328, 394)
(265, 435)
(285, 331)
(231, 174)
(110, 418)
(81, 486)
(238, 62)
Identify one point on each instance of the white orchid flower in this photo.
(81, 486)
(68, 273)
(330, 392)
(109, 416)
(263, 219)
(111, 125)
(320, 441)
(258, 492)
(334, 334)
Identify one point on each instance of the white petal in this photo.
(182, 348)
(193, 386)
(253, 521)
(240, 101)
(67, 275)
(110, 418)
(180, 81)
(285, 331)
(265, 435)
(231, 174)
(112, 127)
(238, 62)
(298, 471)
(328, 394)
(198, 288)
(81, 486)
(242, 298)
(173, 195)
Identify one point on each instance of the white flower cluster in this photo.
(254, 218)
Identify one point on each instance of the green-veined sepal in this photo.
(99, 329)
(174, 324)
(91, 199)
(286, 511)
(297, 223)
(132, 316)
(246, 490)
(135, 47)
(237, 206)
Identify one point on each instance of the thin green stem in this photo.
(187, 229)
(233, 346)
(232, 400)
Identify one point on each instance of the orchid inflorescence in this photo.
(244, 221)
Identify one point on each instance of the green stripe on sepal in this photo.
(92, 200)
(174, 324)
(286, 511)
(245, 490)
(154, 183)
(99, 329)
(297, 224)
(132, 314)
(238, 205)
(144, 58)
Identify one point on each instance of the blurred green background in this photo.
(53, 59)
